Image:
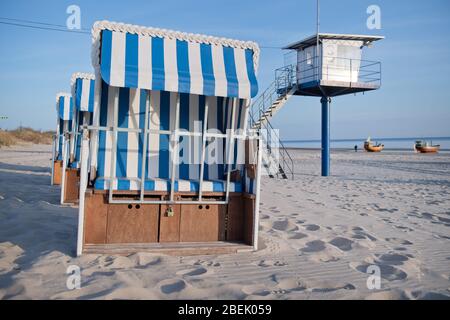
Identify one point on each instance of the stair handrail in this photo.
(285, 80)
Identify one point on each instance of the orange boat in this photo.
(425, 147)
(370, 147)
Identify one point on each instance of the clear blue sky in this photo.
(414, 99)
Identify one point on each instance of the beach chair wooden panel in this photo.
(167, 142)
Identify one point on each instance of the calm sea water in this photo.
(389, 143)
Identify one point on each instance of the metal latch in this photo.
(169, 212)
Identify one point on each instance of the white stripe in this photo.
(213, 144)
(241, 73)
(219, 71)
(170, 65)
(207, 186)
(134, 185)
(153, 141)
(145, 62)
(109, 122)
(66, 108)
(194, 142)
(85, 89)
(133, 137)
(117, 78)
(195, 68)
(184, 185)
(160, 185)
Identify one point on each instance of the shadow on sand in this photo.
(32, 218)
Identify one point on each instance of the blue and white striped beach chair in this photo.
(82, 85)
(170, 115)
(64, 110)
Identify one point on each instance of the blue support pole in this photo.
(325, 136)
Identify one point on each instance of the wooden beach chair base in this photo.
(72, 188)
(179, 229)
(57, 172)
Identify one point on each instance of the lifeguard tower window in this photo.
(336, 66)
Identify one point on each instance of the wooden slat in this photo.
(235, 219)
(249, 208)
(186, 248)
(95, 218)
(72, 188)
(205, 224)
(169, 226)
(57, 172)
(132, 223)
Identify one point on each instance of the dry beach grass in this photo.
(24, 136)
(318, 235)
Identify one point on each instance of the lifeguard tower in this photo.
(326, 65)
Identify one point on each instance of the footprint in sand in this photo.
(283, 225)
(314, 246)
(297, 235)
(312, 227)
(342, 243)
(347, 286)
(207, 263)
(289, 284)
(360, 233)
(398, 241)
(387, 271)
(192, 272)
(393, 259)
(270, 263)
(172, 286)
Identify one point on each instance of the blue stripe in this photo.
(91, 96)
(184, 140)
(61, 107)
(230, 72)
(131, 60)
(106, 48)
(122, 137)
(102, 134)
(238, 125)
(78, 93)
(157, 64)
(142, 103)
(251, 72)
(207, 70)
(164, 138)
(70, 108)
(184, 76)
(78, 138)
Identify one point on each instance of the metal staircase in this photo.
(275, 157)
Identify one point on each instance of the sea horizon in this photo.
(390, 143)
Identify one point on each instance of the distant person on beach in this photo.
(356, 148)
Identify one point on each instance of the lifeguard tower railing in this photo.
(337, 69)
(262, 110)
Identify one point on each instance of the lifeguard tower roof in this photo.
(311, 41)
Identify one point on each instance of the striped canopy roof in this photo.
(64, 106)
(155, 59)
(83, 89)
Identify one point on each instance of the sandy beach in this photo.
(317, 236)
